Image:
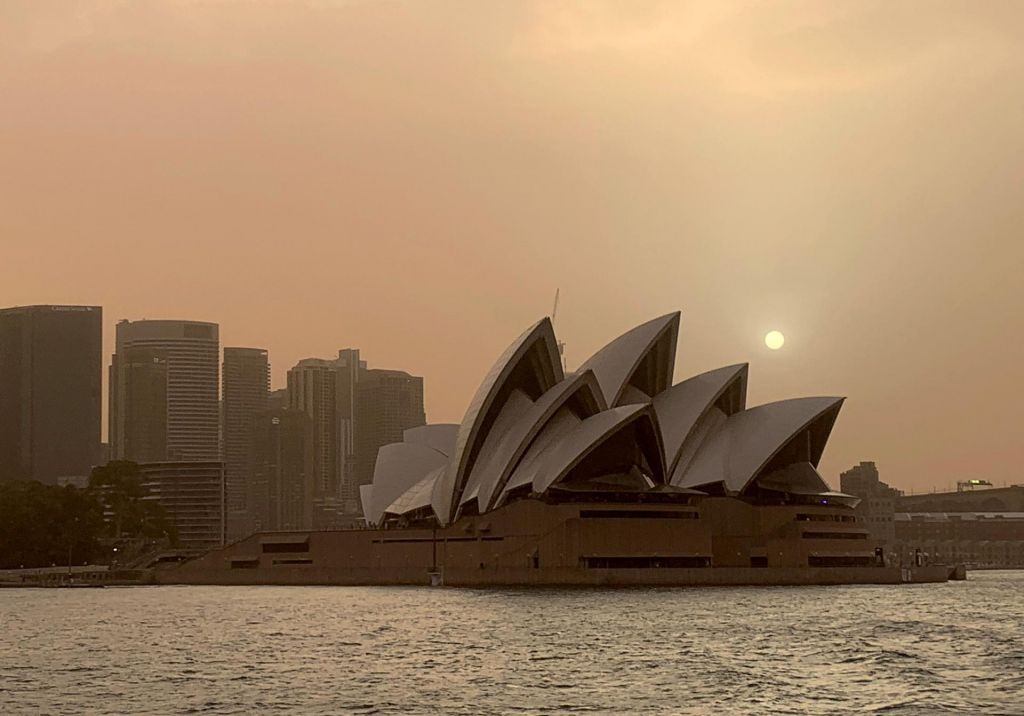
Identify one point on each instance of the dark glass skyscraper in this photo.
(281, 489)
(246, 394)
(50, 391)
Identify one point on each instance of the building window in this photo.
(284, 547)
(840, 561)
(647, 562)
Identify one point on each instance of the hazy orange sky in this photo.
(416, 178)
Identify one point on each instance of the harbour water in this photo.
(910, 649)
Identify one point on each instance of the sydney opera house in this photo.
(611, 474)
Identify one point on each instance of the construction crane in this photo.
(561, 344)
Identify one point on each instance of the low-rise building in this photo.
(192, 495)
(993, 499)
(878, 500)
(993, 540)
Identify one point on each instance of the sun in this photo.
(774, 340)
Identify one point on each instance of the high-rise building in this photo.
(246, 390)
(192, 494)
(312, 389)
(164, 402)
(282, 497)
(142, 377)
(389, 403)
(350, 371)
(353, 411)
(50, 391)
(277, 399)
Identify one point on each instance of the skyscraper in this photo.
(389, 402)
(353, 411)
(278, 399)
(281, 494)
(143, 381)
(350, 370)
(50, 399)
(246, 389)
(312, 390)
(164, 392)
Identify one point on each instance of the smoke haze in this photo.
(415, 179)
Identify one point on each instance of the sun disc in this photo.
(774, 340)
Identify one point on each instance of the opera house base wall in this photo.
(570, 577)
(531, 542)
(714, 576)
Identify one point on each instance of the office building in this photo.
(389, 403)
(192, 495)
(277, 399)
(281, 494)
(50, 392)
(979, 524)
(312, 390)
(164, 402)
(877, 506)
(993, 499)
(142, 399)
(246, 390)
(354, 410)
(981, 540)
(350, 372)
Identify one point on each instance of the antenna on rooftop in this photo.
(561, 344)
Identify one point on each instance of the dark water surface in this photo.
(951, 648)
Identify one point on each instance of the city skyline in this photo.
(646, 356)
(182, 408)
(846, 175)
(941, 482)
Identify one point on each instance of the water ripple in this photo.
(955, 648)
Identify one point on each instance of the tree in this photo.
(42, 525)
(119, 487)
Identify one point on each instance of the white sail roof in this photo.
(737, 451)
(496, 465)
(561, 425)
(532, 364)
(399, 466)
(568, 452)
(440, 436)
(516, 409)
(416, 497)
(680, 407)
(645, 354)
(365, 499)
